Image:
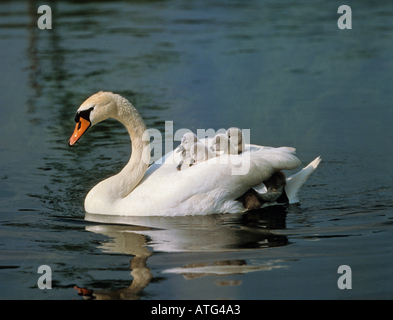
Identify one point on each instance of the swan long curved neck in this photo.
(130, 176)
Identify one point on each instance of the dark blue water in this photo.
(283, 69)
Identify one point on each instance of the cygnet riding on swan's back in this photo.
(222, 145)
(162, 190)
(235, 136)
(187, 141)
(199, 152)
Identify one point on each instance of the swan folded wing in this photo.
(209, 187)
(214, 201)
(264, 162)
(219, 172)
(215, 187)
(282, 158)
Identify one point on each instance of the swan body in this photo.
(161, 190)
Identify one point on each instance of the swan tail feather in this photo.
(296, 181)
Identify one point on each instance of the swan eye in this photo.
(85, 114)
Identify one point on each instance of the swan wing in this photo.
(209, 187)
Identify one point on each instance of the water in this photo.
(283, 70)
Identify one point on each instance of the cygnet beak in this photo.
(180, 148)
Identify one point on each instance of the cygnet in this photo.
(199, 152)
(187, 141)
(235, 136)
(221, 145)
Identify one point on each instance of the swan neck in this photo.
(136, 167)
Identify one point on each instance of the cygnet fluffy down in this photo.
(235, 136)
(199, 152)
(221, 145)
(187, 141)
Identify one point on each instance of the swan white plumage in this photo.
(162, 190)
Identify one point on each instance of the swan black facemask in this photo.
(82, 119)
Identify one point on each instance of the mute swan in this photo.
(199, 152)
(187, 141)
(235, 136)
(222, 145)
(161, 190)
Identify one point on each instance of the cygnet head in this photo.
(221, 145)
(187, 141)
(235, 136)
(199, 152)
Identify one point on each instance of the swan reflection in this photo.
(140, 237)
(219, 268)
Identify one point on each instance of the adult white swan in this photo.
(162, 190)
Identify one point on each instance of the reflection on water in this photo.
(213, 233)
(125, 240)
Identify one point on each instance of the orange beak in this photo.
(80, 129)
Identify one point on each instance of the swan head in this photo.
(235, 136)
(98, 107)
(187, 141)
(221, 144)
(199, 152)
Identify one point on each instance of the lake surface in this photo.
(282, 69)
